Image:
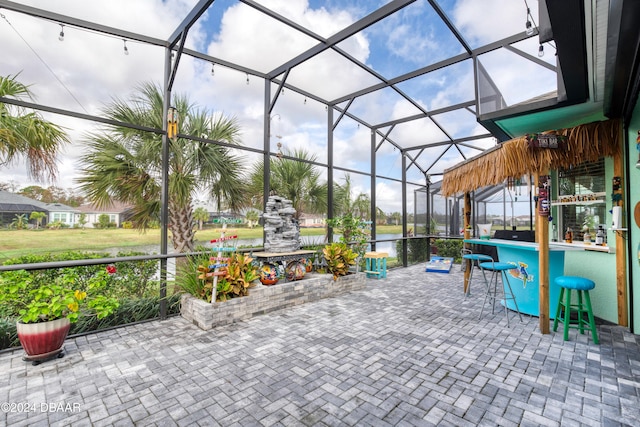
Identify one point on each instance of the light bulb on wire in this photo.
(247, 78)
(541, 51)
(61, 36)
(529, 26)
(126, 50)
(213, 71)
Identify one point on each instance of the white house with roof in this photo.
(116, 211)
(12, 205)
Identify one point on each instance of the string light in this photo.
(247, 78)
(541, 51)
(126, 50)
(305, 100)
(61, 36)
(213, 71)
(529, 26)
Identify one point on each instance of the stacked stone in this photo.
(282, 231)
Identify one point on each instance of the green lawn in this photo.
(15, 243)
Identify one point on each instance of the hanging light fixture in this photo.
(541, 51)
(61, 36)
(213, 71)
(305, 100)
(247, 78)
(126, 50)
(529, 25)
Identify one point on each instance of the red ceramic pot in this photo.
(44, 340)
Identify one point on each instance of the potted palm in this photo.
(45, 311)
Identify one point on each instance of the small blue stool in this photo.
(376, 264)
(499, 269)
(474, 259)
(582, 286)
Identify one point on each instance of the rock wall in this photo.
(282, 231)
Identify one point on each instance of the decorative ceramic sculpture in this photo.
(295, 270)
(268, 274)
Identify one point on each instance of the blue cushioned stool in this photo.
(474, 259)
(493, 294)
(582, 286)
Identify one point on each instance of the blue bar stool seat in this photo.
(493, 294)
(582, 286)
(474, 259)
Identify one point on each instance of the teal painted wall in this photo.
(634, 231)
(601, 268)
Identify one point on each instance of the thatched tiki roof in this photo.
(514, 158)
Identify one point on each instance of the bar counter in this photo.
(524, 280)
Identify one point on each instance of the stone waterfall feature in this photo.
(282, 231)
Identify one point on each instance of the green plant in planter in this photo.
(56, 300)
(354, 232)
(339, 257)
(239, 276)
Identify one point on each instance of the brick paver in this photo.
(408, 350)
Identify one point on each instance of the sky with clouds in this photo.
(87, 70)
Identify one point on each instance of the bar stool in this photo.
(474, 259)
(499, 269)
(582, 286)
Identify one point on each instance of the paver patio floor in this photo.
(407, 350)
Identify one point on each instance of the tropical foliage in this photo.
(125, 164)
(339, 258)
(25, 134)
(294, 177)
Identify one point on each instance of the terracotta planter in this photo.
(43, 341)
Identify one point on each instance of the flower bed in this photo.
(264, 299)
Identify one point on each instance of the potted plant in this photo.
(233, 280)
(45, 312)
(339, 257)
(587, 225)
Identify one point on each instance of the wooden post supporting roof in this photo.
(621, 260)
(467, 235)
(542, 231)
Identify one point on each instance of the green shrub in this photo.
(129, 311)
(450, 248)
(416, 250)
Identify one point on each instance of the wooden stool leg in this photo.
(566, 321)
(592, 323)
(558, 308)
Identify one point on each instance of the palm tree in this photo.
(19, 222)
(126, 165)
(201, 215)
(252, 217)
(298, 181)
(25, 134)
(38, 216)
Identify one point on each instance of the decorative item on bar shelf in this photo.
(545, 140)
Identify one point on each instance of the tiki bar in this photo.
(565, 177)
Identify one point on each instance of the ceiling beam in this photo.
(379, 14)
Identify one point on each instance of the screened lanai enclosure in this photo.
(378, 98)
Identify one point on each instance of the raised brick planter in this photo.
(264, 299)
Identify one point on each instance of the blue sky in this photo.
(94, 69)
